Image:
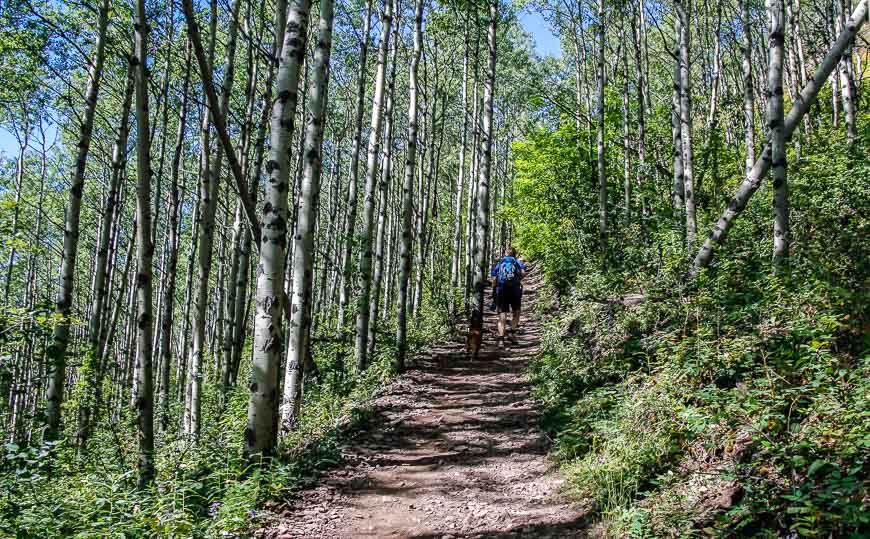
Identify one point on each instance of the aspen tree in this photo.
(677, 140)
(642, 96)
(253, 181)
(56, 352)
(762, 165)
(683, 10)
(776, 38)
(144, 255)
(383, 193)
(303, 254)
(353, 185)
(845, 71)
(626, 128)
(366, 243)
(408, 194)
(92, 369)
(748, 93)
(261, 430)
(167, 316)
(483, 218)
(602, 172)
(210, 189)
(455, 270)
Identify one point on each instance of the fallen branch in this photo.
(762, 165)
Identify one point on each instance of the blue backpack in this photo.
(508, 272)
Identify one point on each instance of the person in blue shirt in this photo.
(507, 276)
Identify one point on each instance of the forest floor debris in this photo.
(453, 449)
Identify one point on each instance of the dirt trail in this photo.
(453, 450)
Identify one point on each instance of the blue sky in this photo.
(545, 44)
(8, 144)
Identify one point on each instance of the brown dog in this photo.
(474, 340)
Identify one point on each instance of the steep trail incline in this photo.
(453, 450)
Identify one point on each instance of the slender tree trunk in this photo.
(471, 205)
(408, 194)
(762, 165)
(748, 93)
(261, 430)
(482, 229)
(56, 352)
(683, 10)
(303, 254)
(626, 128)
(455, 270)
(365, 258)
(642, 91)
(776, 17)
(184, 350)
(167, 317)
(91, 370)
(240, 317)
(602, 172)
(353, 185)
(846, 86)
(677, 140)
(384, 196)
(19, 188)
(145, 253)
(210, 189)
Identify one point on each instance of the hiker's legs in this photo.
(502, 317)
(516, 307)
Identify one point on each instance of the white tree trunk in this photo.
(602, 172)
(748, 93)
(481, 264)
(408, 194)
(683, 10)
(383, 197)
(92, 368)
(775, 113)
(210, 192)
(366, 244)
(56, 352)
(353, 186)
(455, 270)
(262, 426)
(167, 317)
(144, 255)
(762, 165)
(303, 254)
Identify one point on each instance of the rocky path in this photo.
(454, 450)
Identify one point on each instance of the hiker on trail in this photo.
(507, 276)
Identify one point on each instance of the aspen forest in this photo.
(245, 246)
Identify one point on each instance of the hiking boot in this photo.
(501, 343)
(512, 337)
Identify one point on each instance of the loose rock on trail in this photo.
(453, 450)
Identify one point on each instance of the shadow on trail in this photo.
(452, 450)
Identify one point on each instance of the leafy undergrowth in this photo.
(201, 490)
(739, 406)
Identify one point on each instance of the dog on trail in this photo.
(474, 340)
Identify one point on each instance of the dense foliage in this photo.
(735, 404)
(204, 489)
(215, 249)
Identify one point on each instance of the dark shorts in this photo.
(509, 299)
